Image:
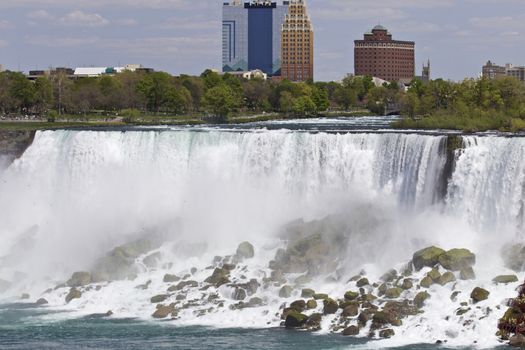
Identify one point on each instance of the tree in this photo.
(304, 106)
(155, 88)
(43, 95)
(22, 91)
(286, 102)
(219, 101)
(320, 98)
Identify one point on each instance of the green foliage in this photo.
(219, 101)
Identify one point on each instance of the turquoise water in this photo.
(22, 327)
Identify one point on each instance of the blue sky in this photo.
(183, 36)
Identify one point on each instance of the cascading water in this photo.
(74, 195)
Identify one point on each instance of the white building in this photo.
(91, 72)
(252, 74)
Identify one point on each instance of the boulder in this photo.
(393, 293)
(446, 278)
(79, 279)
(245, 250)
(295, 319)
(144, 286)
(428, 257)
(73, 294)
(351, 295)
(351, 311)
(389, 276)
(330, 306)
(420, 299)
(382, 288)
(285, 292)
(239, 294)
(457, 259)
(307, 293)
(313, 323)
(25, 296)
(467, 274)
(311, 304)
(318, 296)
(505, 279)
(184, 284)
(434, 274)
(159, 298)
(219, 277)
(517, 341)
(351, 331)
(407, 284)
(42, 301)
(302, 280)
(163, 311)
(479, 294)
(362, 282)
(387, 333)
(298, 305)
(170, 278)
(426, 282)
(454, 296)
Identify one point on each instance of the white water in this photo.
(75, 195)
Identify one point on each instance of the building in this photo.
(251, 36)
(493, 71)
(35, 74)
(516, 72)
(425, 73)
(1, 68)
(91, 72)
(297, 40)
(378, 55)
(252, 74)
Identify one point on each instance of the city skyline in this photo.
(182, 36)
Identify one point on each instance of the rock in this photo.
(170, 278)
(368, 298)
(42, 301)
(285, 292)
(351, 295)
(393, 293)
(479, 294)
(79, 279)
(454, 296)
(351, 331)
(184, 284)
(434, 275)
(302, 280)
(420, 299)
(351, 311)
(428, 257)
(295, 319)
(362, 282)
(25, 296)
(163, 311)
(407, 284)
(311, 304)
(228, 267)
(382, 289)
(330, 306)
(462, 311)
(255, 302)
(73, 294)
(514, 257)
(313, 323)
(387, 333)
(144, 286)
(446, 278)
(365, 316)
(318, 296)
(505, 279)
(426, 282)
(517, 341)
(159, 298)
(245, 250)
(457, 259)
(152, 260)
(298, 305)
(307, 293)
(389, 276)
(467, 274)
(219, 277)
(239, 294)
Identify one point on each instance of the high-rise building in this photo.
(251, 36)
(378, 55)
(516, 72)
(493, 71)
(297, 43)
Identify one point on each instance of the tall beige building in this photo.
(297, 43)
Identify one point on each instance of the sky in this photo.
(184, 36)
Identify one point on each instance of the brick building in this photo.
(297, 43)
(493, 71)
(378, 55)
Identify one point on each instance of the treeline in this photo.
(470, 105)
(157, 93)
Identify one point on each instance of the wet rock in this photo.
(170, 278)
(255, 302)
(517, 341)
(420, 299)
(285, 292)
(307, 293)
(467, 274)
(457, 259)
(184, 284)
(351, 311)
(446, 278)
(393, 293)
(298, 305)
(365, 316)
(387, 333)
(351, 331)
(382, 289)
(462, 311)
(251, 287)
(383, 318)
(163, 311)
(505, 279)
(351, 295)
(313, 323)
(41, 302)
(368, 298)
(311, 304)
(302, 280)
(426, 282)
(362, 282)
(152, 260)
(428, 257)
(295, 319)
(219, 277)
(79, 279)
(434, 274)
(144, 286)
(479, 294)
(73, 294)
(454, 296)
(330, 306)
(318, 296)
(239, 294)
(407, 284)
(389, 276)
(25, 296)
(245, 250)
(159, 298)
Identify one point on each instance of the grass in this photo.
(465, 124)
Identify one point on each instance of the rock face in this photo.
(219, 277)
(351, 331)
(428, 257)
(245, 250)
(14, 143)
(164, 311)
(457, 259)
(79, 279)
(479, 294)
(73, 294)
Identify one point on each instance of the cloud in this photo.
(196, 23)
(173, 4)
(4, 24)
(126, 22)
(502, 22)
(83, 19)
(40, 15)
